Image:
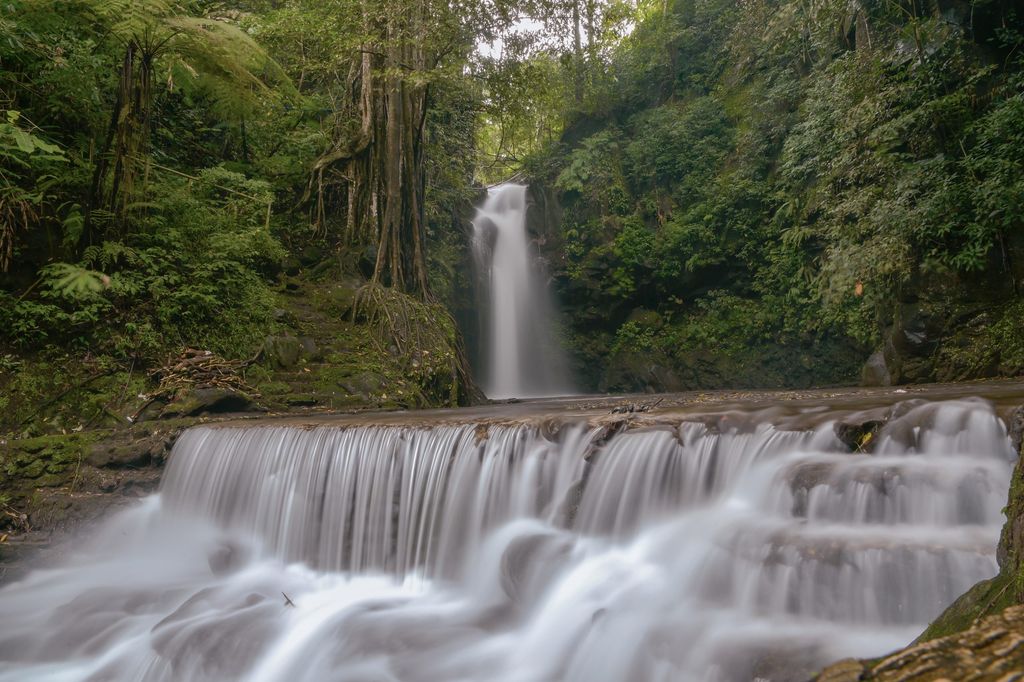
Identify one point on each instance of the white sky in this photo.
(522, 26)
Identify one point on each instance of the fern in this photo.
(73, 281)
(108, 254)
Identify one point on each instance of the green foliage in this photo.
(633, 336)
(790, 172)
(26, 161)
(423, 336)
(155, 162)
(71, 281)
(592, 164)
(192, 277)
(677, 146)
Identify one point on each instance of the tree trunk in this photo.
(577, 54)
(385, 172)
(125, 144)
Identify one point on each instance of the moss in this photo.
(273, 388)
(336, 298)
(60, 393)
(984, 599)
(44, 461)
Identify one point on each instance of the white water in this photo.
(522, 359)
(523, 553)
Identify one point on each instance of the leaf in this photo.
(74, 281)
(24, 140)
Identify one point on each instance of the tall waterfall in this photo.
(716, 548)
(520, 353)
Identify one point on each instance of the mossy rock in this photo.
(365, 384)
(209, 401)
(282, 351)
(274, 388)
(984, 599)
(44, 461)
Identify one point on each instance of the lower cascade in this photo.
(725, 546)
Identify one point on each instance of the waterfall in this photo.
(520, 354)
(714, 547)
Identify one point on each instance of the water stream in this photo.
(714, 547)
(521, 356)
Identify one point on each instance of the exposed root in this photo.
(423, 335)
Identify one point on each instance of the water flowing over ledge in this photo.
(521, 355)
(719, 545)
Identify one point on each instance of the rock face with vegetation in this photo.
(57, 484)
(770, 193)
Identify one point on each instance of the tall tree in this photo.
(405, 47)
(150, 34)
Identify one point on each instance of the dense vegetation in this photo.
(754, 193)
(179, 174)
(768, 192)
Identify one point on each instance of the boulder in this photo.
(364, 384)
(991, 649)
(859, 436)
(208, 401)
(876, 371)
(309, 348)
(282, 352)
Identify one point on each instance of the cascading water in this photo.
(724, 547)
(522, 359)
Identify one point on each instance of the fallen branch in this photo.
(198, 369)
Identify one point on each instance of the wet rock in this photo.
(130, 450)
(637, 372)
(876, 371)
(859, 436)
(1010, 553)
(992, 649)
(1015, 426)
(118, 456)
(227, 558)
(570, 506)
(917, 371)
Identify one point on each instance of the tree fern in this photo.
(73, 281)
(209, 54)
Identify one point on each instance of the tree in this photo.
(404, 49)
(160, 33)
